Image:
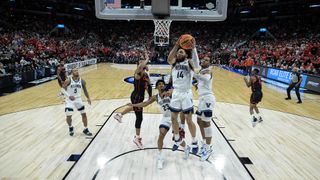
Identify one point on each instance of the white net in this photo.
(161, 31)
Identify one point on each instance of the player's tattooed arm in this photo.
(145, 103)
(84, 86)
(173, 53)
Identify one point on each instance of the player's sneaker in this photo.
(186, 152)
(206, 154)
(260, 119)
(195, 148)
(71, 131)
(160, 163)
(138, 142)
(87, 132)
(176, 144)
(182, 133)
(202, 148)
(118, 117)
(254, 121)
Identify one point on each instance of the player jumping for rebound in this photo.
(141, 84)
(182, 74)
(206, 104)
(163, 99)
(255, 83)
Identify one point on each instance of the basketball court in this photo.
(35, 143)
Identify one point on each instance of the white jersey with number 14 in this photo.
(182, 76)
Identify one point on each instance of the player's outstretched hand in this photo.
(72, 98)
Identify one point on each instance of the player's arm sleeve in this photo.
(195, 58)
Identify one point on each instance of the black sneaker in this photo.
(260, 119)
(299, 102)
(87, 132)
(254, 122)
(287, 98)
(71, 132)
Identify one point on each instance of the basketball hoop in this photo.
(161, 31)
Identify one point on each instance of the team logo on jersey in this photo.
(208, 105)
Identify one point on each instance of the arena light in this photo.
(274, 12)
(60, 26)
(314, 5)
(244, 12)
(263, 30)
(78, 9)
(49, 7)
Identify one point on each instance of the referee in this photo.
(295, 83)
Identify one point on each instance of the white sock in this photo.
(160, 154)
(176, 137)
(194, 140)
(183, 126)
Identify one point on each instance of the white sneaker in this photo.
(160, 163)
(138, 142)
(118, 117)
(254, 122)
(187, 152)
(202, 148)
(206, 154)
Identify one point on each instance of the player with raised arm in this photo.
(205, 107)
(141, 84)
(182, 74)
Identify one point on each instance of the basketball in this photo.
(186, 41)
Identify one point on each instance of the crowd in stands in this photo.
(31, 43)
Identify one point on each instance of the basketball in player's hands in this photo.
(186, 41)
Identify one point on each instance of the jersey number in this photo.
(165, 107)
(180, 74)
(75, 90)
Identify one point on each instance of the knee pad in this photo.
(207, 132)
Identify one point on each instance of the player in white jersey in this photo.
(71, 89)
(205, 107)
(163, 99)
(182, 74)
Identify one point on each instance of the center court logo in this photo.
(153, 78)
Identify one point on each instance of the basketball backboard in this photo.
(179, 11)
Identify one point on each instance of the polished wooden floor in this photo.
(35, 143)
